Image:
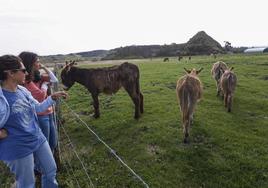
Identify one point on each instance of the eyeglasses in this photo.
(22, 70)
(15, 70)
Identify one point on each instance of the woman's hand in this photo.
(44, 68)
(41, 66)
(3, 133)
(59, 94)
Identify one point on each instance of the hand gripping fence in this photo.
(106, 145)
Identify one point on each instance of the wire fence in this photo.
(61, 148)
(72, 149)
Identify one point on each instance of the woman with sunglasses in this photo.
(22, 142)
(39, 92)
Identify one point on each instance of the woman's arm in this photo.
(36, 92)
(53, 78)
(41, 107)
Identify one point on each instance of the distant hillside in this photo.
(145, 51)
(202, 44)
(199, 44)
(94, 53)
(80, 56)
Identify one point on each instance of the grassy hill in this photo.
(200, 44)
(226, 149)
(93, 55)
(203, 44)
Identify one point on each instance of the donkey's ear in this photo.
(67, 68)
(188, 71)
(197, 72)
(66, 63)
(72, 63)
(231, 68)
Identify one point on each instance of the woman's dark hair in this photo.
(8, 62)
(28, 59)
(37, 76)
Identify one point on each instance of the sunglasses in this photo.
(22, 70)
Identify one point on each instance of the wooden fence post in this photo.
(57, 115)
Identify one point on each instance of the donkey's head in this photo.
(193, 71)
(66, 77)
(229, 70)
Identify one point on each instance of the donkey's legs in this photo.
(186, 127)
(218, 88)
(192, 119)
(136, 102)
(225, 99)
(96, 105)
(230, 100)
(135, 98)
(141, 103)
(188, 120)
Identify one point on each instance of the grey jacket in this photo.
(4, 109)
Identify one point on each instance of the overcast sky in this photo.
(64, 26)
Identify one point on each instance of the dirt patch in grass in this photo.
(107, 103)
(85, 113)
(153, 149)
(155, 83)
(264, 77)
(251, 75)
(171, 85)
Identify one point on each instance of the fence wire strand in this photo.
(106, 145)
(81, 162)
(73, 175)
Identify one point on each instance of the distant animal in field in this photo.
(190, 57)
(228, 84)
(106, 80)
(166, 59)
(180, 58)
(217, 71)
(213, 55)
(189, 91)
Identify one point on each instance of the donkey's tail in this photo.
(230, 81)
(185, 103)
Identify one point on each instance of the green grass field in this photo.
(226, 149)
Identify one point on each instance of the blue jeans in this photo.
(24, 168)
(47, 125)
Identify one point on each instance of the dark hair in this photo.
(8, 62)
(28, 59)
(36, 76)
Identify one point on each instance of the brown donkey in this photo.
(217, 71)
(228, 84)
(106, 80)
(189, 92)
